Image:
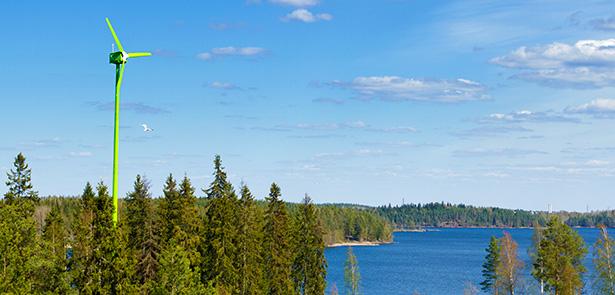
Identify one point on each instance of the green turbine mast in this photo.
(119, 58)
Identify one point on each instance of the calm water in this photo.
(434, 262)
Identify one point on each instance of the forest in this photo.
(225, 242)
(411, 216)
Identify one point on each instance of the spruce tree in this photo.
(20, 182)
(19, 243)
(352, 276)
(51, 275)
(250, 245)
(221, 234)
(492, 260)
(175, 275)
(276, 245)
(189, 223)
(604, 262)
(310, 266)
(144, 239)
(561, 253)
(537, 266)
(170, 209)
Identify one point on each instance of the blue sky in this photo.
(507, 103)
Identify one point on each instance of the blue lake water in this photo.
(433, 262)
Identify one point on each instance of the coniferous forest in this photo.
(218, 240)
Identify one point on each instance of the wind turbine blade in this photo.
(117, 40)
(138, 54)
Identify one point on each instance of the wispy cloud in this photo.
(489, 131)
(528, 116)
(223, 85)
(503, 152)
(603, 24)
(356, 125)
(600, 108)
(586, 63)
(296, 3)
(136, 107)
(231, 51)
(394, 88)
(333, 101)
(306, 16)
(81, 154)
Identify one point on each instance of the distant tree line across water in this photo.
(411, 216)
(223, 243)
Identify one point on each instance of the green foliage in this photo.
(52, 274)
(251, 277)
(449, 215)
(492, 260)
(352, 276)
(559, 258)
(604, 262)
(175, 275)
(343, 223)
(221, 233)
(276, 245)
(20, 182)
(310, 266)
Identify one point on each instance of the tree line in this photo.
(556, 254)
(228, 245)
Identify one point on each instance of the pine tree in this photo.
(310, 266)
(509, 267)
(250, 245)
(352, 276)
(221, 234)
(560, 253)
(604, 262)
(492, 260)
(276, 245)
(141, 223)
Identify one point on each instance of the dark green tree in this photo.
(560, 253)
(141, 227)
(538, 268)
(604, 262)
(82, 263)
(20, 182)
(352, 276)
(175, 275)
(277, 245)
(492, 260)
(190, 223)
(52, 275)
(250, 260)
(170, 209)
(220, 253)
(310, 266)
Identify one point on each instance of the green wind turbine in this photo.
(119, 58)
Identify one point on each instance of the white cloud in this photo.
(602, 107)
(296, 3)
(396, 88)
(231, 51)
(81, 154)
(306, 16)
(505, 152)
(223, 85)
(586, 63)
(528, 116)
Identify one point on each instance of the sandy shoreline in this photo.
(355, 244)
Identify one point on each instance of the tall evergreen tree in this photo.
(509, 267)
(352, 276)
(276, 245)
(560, 253)
(190, 223)
(170, 209)
(82, 263)
(310, 266)
(19, 244)
(175, 275)
(20, 182)
(250, 245)
(221, 233)
(141, 227)
(492, 260)
(604, 262)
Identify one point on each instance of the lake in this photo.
(433, 262)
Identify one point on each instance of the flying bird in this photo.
(146, 128)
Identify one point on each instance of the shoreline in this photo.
(357, 244)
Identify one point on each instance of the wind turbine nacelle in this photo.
(117, 58)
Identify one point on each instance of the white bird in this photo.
(146, 128)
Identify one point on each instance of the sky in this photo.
(489, 103)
